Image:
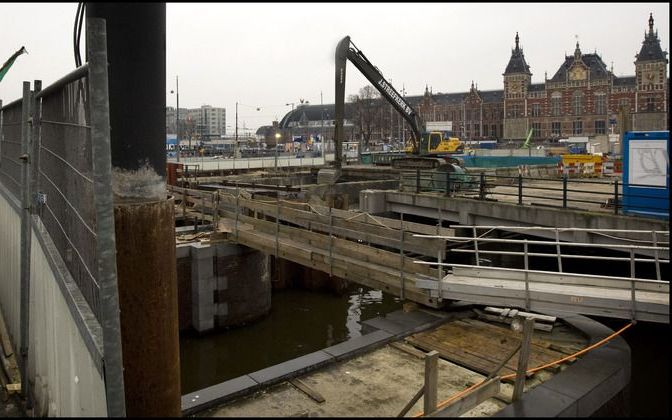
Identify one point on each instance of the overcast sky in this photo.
(270, 54)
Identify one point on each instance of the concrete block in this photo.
(358, 345)
(384, 324)
(213, 395)
(372, 201)
(543, 402)
(291, 368)
(413, 320)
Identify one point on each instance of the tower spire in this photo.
(651, 23)
(517, 39)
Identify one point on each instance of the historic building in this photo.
(582, 98)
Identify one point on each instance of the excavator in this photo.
(428, 149)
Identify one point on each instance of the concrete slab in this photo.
(291, 368)
(384, 324)
(546, 402)
(211, 396)
(358, 345)
(413, 320)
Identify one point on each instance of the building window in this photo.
(477, 130)
(624, 103)
(536, 129)
(536, 110)
(555, 104)
(577, 103)
(485, 130)
(555, 128)
(650, 104)
(577, 127)
(600, 127)
(514, 111)
(600, 104)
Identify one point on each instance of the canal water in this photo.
(300, 322)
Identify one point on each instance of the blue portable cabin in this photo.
(646, 173)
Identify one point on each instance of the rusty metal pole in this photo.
(143, 215)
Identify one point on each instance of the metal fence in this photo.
(564, 192)
(10, 147)
(68, 187)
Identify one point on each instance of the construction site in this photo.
(442, 280)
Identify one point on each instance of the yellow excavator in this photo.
(431, 145)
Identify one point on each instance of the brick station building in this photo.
(582, 98)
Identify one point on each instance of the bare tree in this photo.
(368, 106)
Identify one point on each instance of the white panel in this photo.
(649, 162)
(10, 268)
(58, 355)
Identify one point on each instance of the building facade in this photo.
(204, 123)
(583, 98)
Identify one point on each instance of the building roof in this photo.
(517, 63)
(596, 67)
(651, 46)
(625, 81)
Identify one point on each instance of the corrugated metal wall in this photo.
(10, 263)
(67, 381)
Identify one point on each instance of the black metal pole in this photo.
(136, 51)
(481, 187)
(520, 189)
(616, 197)
(564, 191)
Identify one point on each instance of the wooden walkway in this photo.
(401, 258)
(330, 240)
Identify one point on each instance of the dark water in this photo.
(650, 351)
(300, 322)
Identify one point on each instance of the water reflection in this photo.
(300, 322)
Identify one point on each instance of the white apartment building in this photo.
(209, 121)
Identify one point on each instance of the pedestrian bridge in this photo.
(412, 260)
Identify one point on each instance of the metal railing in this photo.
(522, 248)
(563, 192)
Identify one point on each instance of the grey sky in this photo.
(269, 54)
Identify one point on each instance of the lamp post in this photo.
(177, 117)
(277, 139)
(235, 148)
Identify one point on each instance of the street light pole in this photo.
(277, 138)
(235, 145)
(177, 117)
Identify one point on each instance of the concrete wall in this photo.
(65, 361)
(318, 194)
(221, 285)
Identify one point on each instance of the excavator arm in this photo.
(346, 50)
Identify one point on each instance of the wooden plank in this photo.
(480, 346)
(4, 338)
(408, 350)
(308, 390)
(469, 400)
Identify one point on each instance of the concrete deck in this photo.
(380, 381)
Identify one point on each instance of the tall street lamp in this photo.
(235, 149)
(277, 139)
(177, 116)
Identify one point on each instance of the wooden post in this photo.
(401, 255)
(431, 382)
(519, 385)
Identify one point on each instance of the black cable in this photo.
(74, 33)
(77, 32)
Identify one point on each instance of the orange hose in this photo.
(513, 375)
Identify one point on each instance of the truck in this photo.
(427, 149)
